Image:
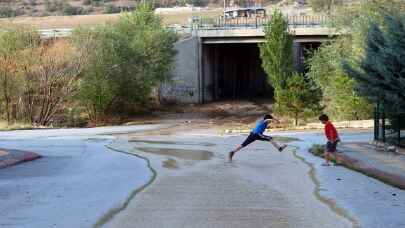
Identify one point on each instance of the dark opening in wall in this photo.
(234, 71)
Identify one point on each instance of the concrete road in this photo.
(261, 188)
(76, 183)
(188, 183)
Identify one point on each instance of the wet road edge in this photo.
(317, 191)
(114, 211)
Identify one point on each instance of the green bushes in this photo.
(37, 78)
(127, 59)
(105, 72)
(8, 11)
(340, 99)
(295, 95)
(110, 8)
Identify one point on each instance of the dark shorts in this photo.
(331, 147)
(253, 137)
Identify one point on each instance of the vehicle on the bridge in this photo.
(247, 12)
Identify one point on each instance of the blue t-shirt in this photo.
(261, 126)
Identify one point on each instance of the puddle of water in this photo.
(187, 154)
(170, 164)
(172, 142)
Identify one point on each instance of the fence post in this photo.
(376, 124)
(399, 130)
(383, 125)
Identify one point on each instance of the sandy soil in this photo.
(92, 20)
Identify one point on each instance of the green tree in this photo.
(13, 40)
(276, 52)
(295, 96)
(300, 98)
(324, 5)
(380, 75)
(339, 97)
(127, 59)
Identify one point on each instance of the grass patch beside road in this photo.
(319, 150)
(15, 126)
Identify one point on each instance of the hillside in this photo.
(41, 8)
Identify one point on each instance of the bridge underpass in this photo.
(233, 70)
(225, 64)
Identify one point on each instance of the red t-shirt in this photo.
(330, 132)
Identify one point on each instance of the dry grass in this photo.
(92, 20)
(15, 126)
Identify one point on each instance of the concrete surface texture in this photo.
(183, 87)
(262, 188)
(89, 177)
(385, 166)
(75, 184)
(372, 203)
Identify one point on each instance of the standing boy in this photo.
(257, 134)
(332, 140)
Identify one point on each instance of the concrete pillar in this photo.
(183, 85)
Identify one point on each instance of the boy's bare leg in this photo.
(327, 158)
(338, 159)
(233, 152)
(276, 145)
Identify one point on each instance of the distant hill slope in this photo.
(12, 8)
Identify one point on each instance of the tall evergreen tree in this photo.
(295, 95)
(276, 52)
(300, 98)
(381, 72)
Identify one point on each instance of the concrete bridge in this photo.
(221, 59)
(223, 62)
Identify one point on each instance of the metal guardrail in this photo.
(55, 33)
(257, 22)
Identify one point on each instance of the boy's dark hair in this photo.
(268, 116)
(323, 117)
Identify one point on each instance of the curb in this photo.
(12, 159)
(386, 177)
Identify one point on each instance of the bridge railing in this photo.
(222, 23)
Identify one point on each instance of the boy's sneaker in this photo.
(231, 155)
(281, 148)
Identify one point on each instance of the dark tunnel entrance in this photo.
(234, 71)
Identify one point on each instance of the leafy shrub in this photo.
(70, 10)
(87, 2)
(127, 59)
(317, 150)
(7, 11)
(110, 8)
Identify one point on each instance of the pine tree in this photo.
(295, 95)
(276, 52)
(300, 98)
(381, 72)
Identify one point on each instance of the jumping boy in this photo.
(257, 134)
(333, 139)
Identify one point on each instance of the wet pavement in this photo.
(371, 202)
(90, 177)
(75, 184)
(260, 188)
